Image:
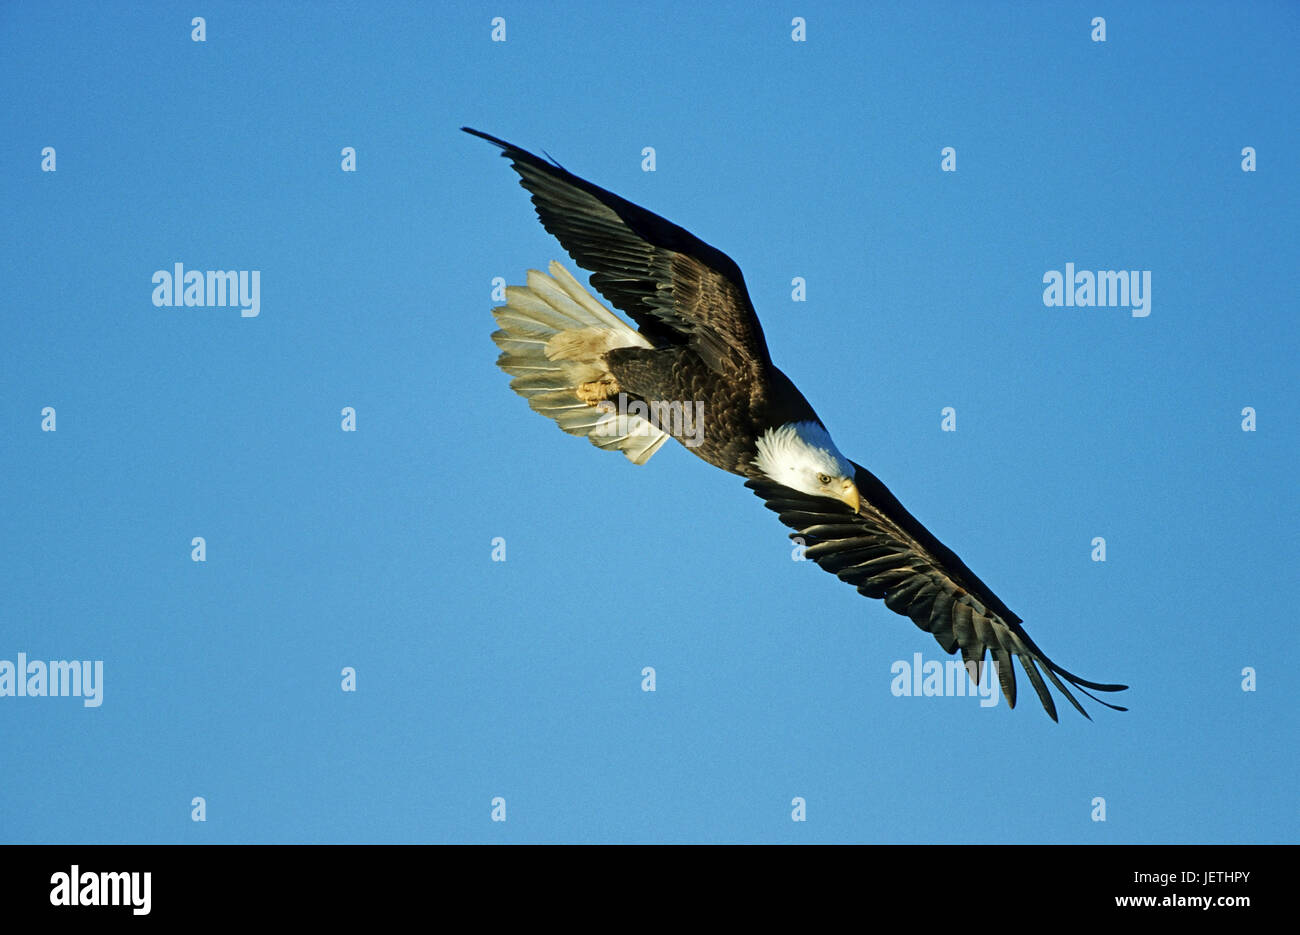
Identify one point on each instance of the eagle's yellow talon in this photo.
(597, 390)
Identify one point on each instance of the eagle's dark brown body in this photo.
(736, 412)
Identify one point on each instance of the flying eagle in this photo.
(697, 368)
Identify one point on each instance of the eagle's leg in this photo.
(597, 390)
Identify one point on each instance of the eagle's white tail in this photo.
(553, 335)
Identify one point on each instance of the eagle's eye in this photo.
(823, 479)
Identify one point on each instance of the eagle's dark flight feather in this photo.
(664, 277)
(885, 553)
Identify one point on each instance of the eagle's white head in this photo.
(801, 455)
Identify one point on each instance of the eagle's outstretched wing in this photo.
(677, 288)
(884, 552)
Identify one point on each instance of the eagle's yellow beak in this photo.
(849, 494)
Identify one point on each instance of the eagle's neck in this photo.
(784, 404)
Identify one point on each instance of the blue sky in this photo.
(522, 679)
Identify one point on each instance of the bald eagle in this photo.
(696, 368)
